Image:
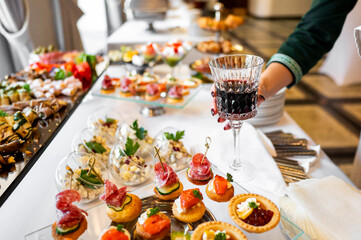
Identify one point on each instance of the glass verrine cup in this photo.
(236, 79)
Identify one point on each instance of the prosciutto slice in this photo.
(112, 195)
(198, 169)
(164, 178)
(69, 214)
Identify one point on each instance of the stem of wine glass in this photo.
(173, 71)
(236, 128)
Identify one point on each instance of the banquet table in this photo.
(31, 205)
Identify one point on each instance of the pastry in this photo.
(121, 206)
(191, 83)
(189, 206)
(127, 87)
(253, 213)
(220, 189)
(153, 225)
(153, 92)
(116, 233)
(72, 222)
(107, 85)
(217, 230)
(199, 171)
(167, 184)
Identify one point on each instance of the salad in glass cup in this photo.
(174, 52)
(127, 165)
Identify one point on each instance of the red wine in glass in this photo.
(236, 99)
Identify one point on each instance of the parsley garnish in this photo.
(109, 120)
(96, 147)
(131, 147)
(252, 205)
(140, 132)
(153, 211)
(85, 178)
(229, 177)
(61, 74)
(3, 113)
(197, 194)
(178, 136)
(220, 236)
(120, 228)
(27, 87)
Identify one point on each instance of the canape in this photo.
(220, 189)
(199, 171)
(127, 87)
(107, 85)
(153, 225)
(191, 83)
(217, 231)
(175, 94)
(189, 206)
(116, 233)
(167, 184)
(121, 205)
(254, 213)
(72, 222)
(152, 92)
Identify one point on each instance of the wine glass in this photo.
(236, 79)
(149, 52)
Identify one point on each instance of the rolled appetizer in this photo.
(121, 206)
(217, 231)
(107, 85)
(189, 206)
(199, 171)
(167, 184)
(175, 94)
(220, 189)
(153, 225)
(128, 166)
(71, 223)
(172, 150)
(116, 233)
(153, 92)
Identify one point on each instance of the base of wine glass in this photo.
(152, 111)
(244, 172)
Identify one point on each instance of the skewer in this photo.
(160, 159)
(71, 174)
(91, 166)
(208, 141)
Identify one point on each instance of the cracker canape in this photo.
(72, 222)
(127, 87)
(167, 184)
(220, 189)
(175, 94)
(217, 230)
(121, 206)
(199, 171)
(107, 85)
(116, 233)
(153, 225)
(191, 83)
(254, 213)
(189, 206)
(152, 92)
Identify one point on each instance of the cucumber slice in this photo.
(126, 201)
(65, 231)
(199, 179)
(168, 189)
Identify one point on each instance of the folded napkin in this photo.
(326, 208)
(267, 175)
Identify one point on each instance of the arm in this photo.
(314, 36)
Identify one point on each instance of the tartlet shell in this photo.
(233, 231)
(265, 204)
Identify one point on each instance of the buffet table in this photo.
(32, 204)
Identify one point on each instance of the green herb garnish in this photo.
(229, 177)
(3, 113)
(61, 74)
(131, 147)
(178, 136)
(27, 87)
(140, 132)
(96, 147)
(85, 178)
(220, 236)
(197, 194)
(252, 205)
(120, 228)
(153, 211)
(109, 120)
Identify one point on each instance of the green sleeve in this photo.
(314, 36)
